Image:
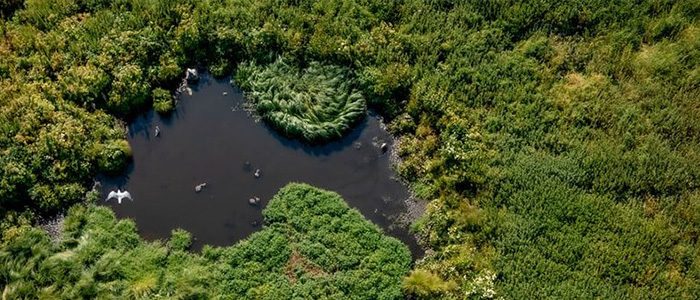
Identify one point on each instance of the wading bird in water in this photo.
(119, 195)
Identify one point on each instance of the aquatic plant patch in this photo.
(315, 104)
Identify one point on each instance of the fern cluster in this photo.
(315, 104)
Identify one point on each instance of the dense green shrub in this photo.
(83, 84)
(163, 102)
(129, 91)
(315, 246)
(180, 240)
(113, 157)
(317, 103)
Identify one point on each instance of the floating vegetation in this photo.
(315, 104)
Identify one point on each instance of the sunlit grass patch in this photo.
(315, 104)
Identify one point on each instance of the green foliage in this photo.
(566, 155)
(555, 223)
(317, 103)
(557, 139)
(83, 84)
(163, 101)
(128, 89)
(425, 285)
(97, 257)
(313, 246)
(49, 150)
(180, 240)
(113, 157)
(66, 63)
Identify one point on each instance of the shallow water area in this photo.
(211, 139)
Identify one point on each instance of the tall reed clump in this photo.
(315, 104)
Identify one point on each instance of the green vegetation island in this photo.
(558, 143)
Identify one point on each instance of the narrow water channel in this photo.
(211, 139)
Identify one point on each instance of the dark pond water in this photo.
(210, 138)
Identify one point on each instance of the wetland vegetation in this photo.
(556, 140)
(313, 246)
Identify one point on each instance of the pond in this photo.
(211, 139)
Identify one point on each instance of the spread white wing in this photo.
(111, 195)
(119, 196)
(126, 194)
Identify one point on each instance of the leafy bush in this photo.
(317, 103)
(180, 240)
(113, 157)
(83, 84)
(162, 101)
(316, 247)
(129, 91)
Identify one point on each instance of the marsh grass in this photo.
(315, 104)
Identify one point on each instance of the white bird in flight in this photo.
(119, 195)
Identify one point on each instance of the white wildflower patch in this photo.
(482, 286)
